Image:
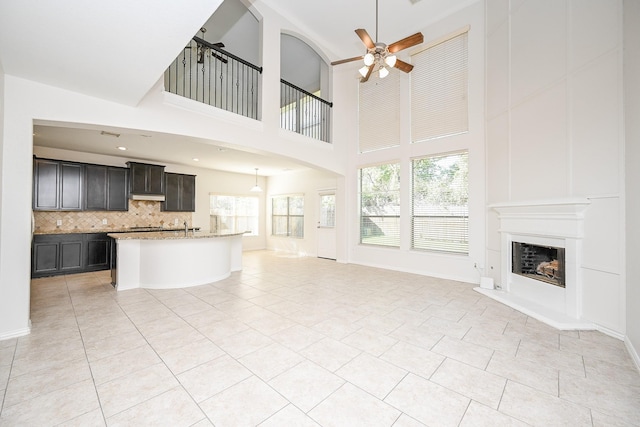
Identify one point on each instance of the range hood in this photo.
(150, 197)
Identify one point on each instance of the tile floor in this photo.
(304, 342)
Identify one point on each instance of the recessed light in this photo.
(195, 159)
(121, 148)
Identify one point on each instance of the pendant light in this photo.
(256, 188)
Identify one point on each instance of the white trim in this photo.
(17, 333)
(632, 352)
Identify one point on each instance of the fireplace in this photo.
(540, 260)
(543, 263)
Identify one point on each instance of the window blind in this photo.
(439, 86)
(380, 205)
(440, 210)
(379, 112)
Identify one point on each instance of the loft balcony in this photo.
(207, 73)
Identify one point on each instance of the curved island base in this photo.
(168, 260)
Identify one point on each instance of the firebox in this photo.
(543, 263)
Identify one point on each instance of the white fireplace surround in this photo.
(558, 223)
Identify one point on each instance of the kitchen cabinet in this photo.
(106, 188)
(97, 251)
(57, 185)
(180, 193)
(146, 179)
(55, 254)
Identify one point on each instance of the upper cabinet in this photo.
(57, 185)
(180, 193)
(146, 179)
(106, 188)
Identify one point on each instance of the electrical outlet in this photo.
(59, 222)
(104, 221)
(175, 222)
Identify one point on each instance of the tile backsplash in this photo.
(141, 213)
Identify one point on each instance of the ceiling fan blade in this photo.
(366, 39)
(365, 78)
(406, 42)
(342, 61)
(403, 66)
(220, 58)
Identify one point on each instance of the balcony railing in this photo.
(304, 112)
(206, 73)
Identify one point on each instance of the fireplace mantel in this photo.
(558, 223)
(553, 218)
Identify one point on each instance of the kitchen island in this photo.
(174, 259)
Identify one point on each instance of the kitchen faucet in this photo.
(186, 229)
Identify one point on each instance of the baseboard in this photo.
(15, 334)
(632, 352)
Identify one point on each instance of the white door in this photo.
(327, 225)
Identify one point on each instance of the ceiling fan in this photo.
(204, 47)
(379, 56)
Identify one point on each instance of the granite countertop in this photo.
(113, 230)
(164, 235)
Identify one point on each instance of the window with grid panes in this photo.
(439, 203)
(234, 214)
(287, 216)
(380, 205)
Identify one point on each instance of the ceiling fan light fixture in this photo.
(390, 60)
(363, 71)
(368, 59)
(383, 72)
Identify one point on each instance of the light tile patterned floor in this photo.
(305, 342)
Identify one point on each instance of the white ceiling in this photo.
(118, 49)
(331, 23)
(160, 148)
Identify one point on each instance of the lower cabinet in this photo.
(54, 254)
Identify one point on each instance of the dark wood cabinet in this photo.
(117, 189)
(54, 254)
(106, 188)
(95, 187)
(71, 255)
(44, 258)
(57, 185)
(57, 254)
(146, 178)
(97, 251)
(180, 193)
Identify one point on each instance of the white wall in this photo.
(632, 157)
(458, 267)
(554, 129)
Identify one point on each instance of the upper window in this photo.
(439, 90)
(440, 211)
(380, 205)
(379, 116)
(233, 214)
(287, 216)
